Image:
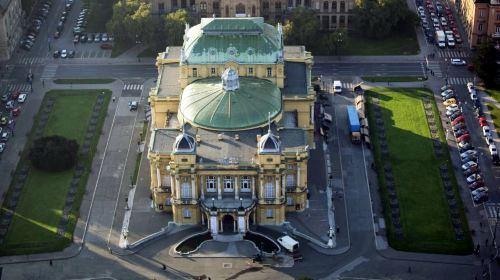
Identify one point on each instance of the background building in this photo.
(481, 19)
(232, 125)
(10, 27)
(332, 14)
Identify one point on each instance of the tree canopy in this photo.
(381, 18)
(131, 21)
(301, 28)
(174, 27)
(54, 153)
(485, 63)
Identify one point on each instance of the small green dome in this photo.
(206, 104)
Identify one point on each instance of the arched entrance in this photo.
(227, 224)
(240, 9)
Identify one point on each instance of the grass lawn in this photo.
(83, 81)
(400, 44)
(394, 79)
(495, 93)
(495, 115)
(424, 211)
(119, 48)
(39, 210)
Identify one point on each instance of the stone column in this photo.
(298, 176)
(221, 227)
(177, 187)
(158, 176)
(253, 188)
(234, 225)
(214, 224)
(241, 223)
(236, 187)
(172, 185)
(283, 184)
(202, 186)
(277, 186)
(219, 185)
(202, 218)
(193, 187)
(261, 187)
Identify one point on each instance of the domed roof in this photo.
(205, 103)
(184, 143)
(230, 79)
(269, 144)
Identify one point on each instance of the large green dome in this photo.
(205, 103)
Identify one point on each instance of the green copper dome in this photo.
(206, 104)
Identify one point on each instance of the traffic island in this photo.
(41, 208)
(418, 188)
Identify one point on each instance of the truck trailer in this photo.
(354, 126)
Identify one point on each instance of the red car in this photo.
(475, 185)
(106, 46)
(15, 95)
(16, 111)
(482, 121)
(464, 138)
(458, 120)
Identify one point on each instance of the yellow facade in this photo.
(227, 195)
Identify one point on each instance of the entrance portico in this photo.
(228, 216)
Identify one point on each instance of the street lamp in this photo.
(241, 205)
(213, 205)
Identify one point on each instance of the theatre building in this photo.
(231, 126)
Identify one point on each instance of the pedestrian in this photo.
(164, 267)
(50, 262)
(481, 224)
(486, 242)
(373, 166)
(338, 229)
(43, 83)
(409, 269)
(114, 98)
(482, 261)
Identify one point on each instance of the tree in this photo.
(54, 153)
(175, 24)
(301, 28)
(131, 21)
(336, 41)
(485, 63)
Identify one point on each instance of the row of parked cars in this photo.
(29, 39)
(468, 155)
(438, 17)
(62, 19)
(11, 102)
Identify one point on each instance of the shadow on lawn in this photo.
(424, 212)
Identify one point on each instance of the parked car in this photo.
(482, 121)
(56, 54)
(106, 46)
(489, 140)
(470, 87)
(453, 107)
(479, 190)
(76, 39)
(473, 96)
(460, 132)
(465, 137)
(466, 147)
(455, 115)
(459, 119)
(486, 131)
(2, 147)
(458, 126)
(71, 54)
(469, 158)
(446, 91)
(476, 185)
(9, 105)
(6, 97)
(451, 101)
(493, 149)
(473, 178)
(16, 111)
(469, 153)
(481, 198)
(468, 165)
(470, 171)
(22, 98)
(448, 96)
(4, 137)
(495, 159)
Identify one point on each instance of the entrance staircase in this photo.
(228, 237)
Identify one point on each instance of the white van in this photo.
(289, 243)
(337, 87)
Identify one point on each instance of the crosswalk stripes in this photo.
(491, 210)
(20, 87)
(458, 80)
(347, 85)
(452, 54)
(49, 71)
(31, 60)
(436, 68)
(133, 87)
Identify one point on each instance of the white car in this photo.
(2, 147)
(64, 53)
(489, 141)
(474, 177)
(473, 96)
(443, 21)
(468, 153)
(22, 98)
(457, 61)
(468, 165)
(479, 190)
(486, 131)
(493, 149)
(446, 92)
(452, 107)
(421, 9)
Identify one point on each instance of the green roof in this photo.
(243, 40)
(206, 104)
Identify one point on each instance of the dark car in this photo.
(83, 38)
(466, 148)
(460, 132)
(56, 54)
(106, 46)
(479, 199)
(458, 126)
(476, 185)
(455, 115)
(57, 34)
(6, 97)
(465, 137)
(495, 159)
(71, 54)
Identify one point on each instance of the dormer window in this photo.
(269, 72)
(184, 143)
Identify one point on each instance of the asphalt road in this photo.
(368, 69)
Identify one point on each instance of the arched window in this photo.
(325, 6)
(211, 185)
(240, 9)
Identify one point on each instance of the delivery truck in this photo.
(354, 125)
(440, 38)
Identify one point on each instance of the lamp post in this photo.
(213, 205)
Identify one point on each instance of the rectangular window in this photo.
(269, 190)
(168, 201)
(186, 190)
(290, 180)
(174, 4)
(277, 6)
(480, 27)
(269, 72)
(269, 213)
(228, 183)
(245, 184)
(498, 16)
(342, 6)
(299, 2)
(187, 213)
(334, 6)
(161, 6)
(212, 71)
(497, 29)
(211, 184)
(289, 200)
(167, 181)
(250, 71)
(290, 3)
(203, 6)
(481, 13)
(195, 72)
